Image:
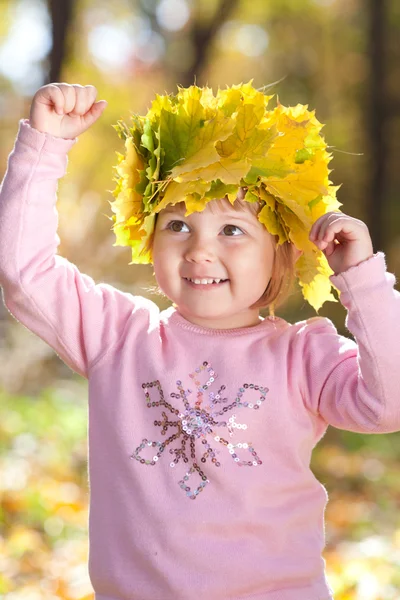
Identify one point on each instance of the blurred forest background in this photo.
(342, 58)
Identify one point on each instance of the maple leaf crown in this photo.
(195, 147)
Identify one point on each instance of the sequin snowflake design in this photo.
(200, 421)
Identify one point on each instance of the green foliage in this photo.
(44, 494)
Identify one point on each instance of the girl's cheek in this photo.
(242, 249)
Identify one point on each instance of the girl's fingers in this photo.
(52, 95)
(346, 228)
(67, 99)
(84, 99)
(91, 94)
(94, 112)
(91, 104)
(332, 224)
(316, 228)
(322, 229)
(68, 96)
(78, 101)
(75, 102)
(328, 249)
(328, 230)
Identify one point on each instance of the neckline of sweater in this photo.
(172, 316)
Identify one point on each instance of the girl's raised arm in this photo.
(44, 291)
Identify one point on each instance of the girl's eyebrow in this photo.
(240, 216)
(172, 211)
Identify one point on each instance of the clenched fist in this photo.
(65, 110)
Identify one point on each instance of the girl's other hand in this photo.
(65, 110)
(344, 240)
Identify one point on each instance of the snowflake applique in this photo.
(200, 421)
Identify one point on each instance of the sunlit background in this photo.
(342, 58)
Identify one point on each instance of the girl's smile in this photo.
(213, 265)
(205, 283)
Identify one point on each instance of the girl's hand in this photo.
(344, 240)
(65, 110)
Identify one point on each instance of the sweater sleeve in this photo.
(355, 385)
(44, 291)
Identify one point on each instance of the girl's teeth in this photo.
(205, 281)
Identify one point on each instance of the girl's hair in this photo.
(282, 279)
(280, 285)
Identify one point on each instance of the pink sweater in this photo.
(199, 440)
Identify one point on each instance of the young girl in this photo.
(202, 418)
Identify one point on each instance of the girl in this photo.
(202, 418)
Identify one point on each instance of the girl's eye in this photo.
(176, 226)
(228, 229)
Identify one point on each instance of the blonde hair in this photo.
(280, 285)
(282, 280)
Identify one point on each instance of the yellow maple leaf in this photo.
(316, 289)
(227, 170)
(177, 192)
(269, 218)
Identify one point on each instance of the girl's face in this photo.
(218, 243)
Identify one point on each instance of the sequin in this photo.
(198, 420)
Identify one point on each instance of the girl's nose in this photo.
(199, 251)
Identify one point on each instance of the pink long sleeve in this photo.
(43, 290)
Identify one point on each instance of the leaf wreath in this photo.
(193, 147)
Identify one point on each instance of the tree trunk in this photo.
(377, 116)
(202, 37)
(61, 17)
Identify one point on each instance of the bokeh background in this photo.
(342, 58)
